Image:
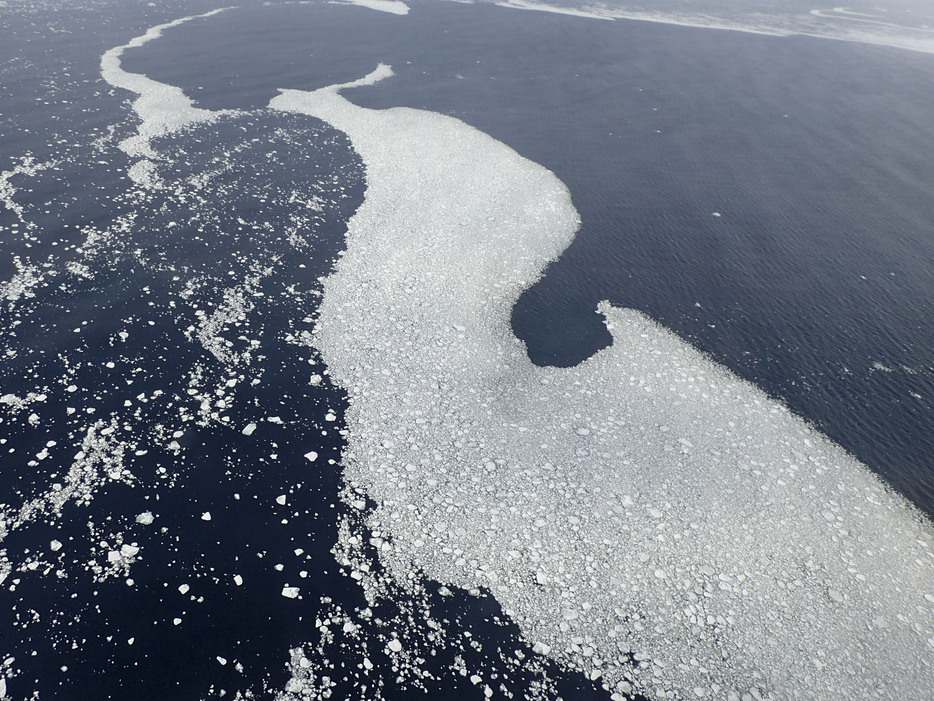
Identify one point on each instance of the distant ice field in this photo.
(363, 350)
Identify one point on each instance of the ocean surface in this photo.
(176, 522)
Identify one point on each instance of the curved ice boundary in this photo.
(646, 517)
(161, 108)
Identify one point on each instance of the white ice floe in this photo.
(393, 7)
(694, 525)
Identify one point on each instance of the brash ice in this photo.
(644, 506)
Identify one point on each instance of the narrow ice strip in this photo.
(540, 7)
(818, 24)
(393, 7)
(161, 108)
(27, 166)
(646, 504)
(856, 17)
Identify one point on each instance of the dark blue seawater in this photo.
(814, 282)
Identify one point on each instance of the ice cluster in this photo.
(646, 517)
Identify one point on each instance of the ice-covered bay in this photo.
(646, 517)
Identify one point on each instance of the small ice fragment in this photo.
(281, 499)
(395, 645)
(183, 589)
(311, 456)
(238, 580)
(55, 545)
(222, 660)
(128, 550)
(145, 518)
(330, 416)
(541, 648)
(206, 516)
(177, 621)
(290, 592)
(248, 429)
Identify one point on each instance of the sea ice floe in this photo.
(393, 7)
(646, 510)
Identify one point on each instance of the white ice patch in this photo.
(99, 461)
(838, 23)
(541, 7)
(393, 7)
(27, 278)
(645, 504)
(161, 108)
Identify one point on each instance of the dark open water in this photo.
(815, 283)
